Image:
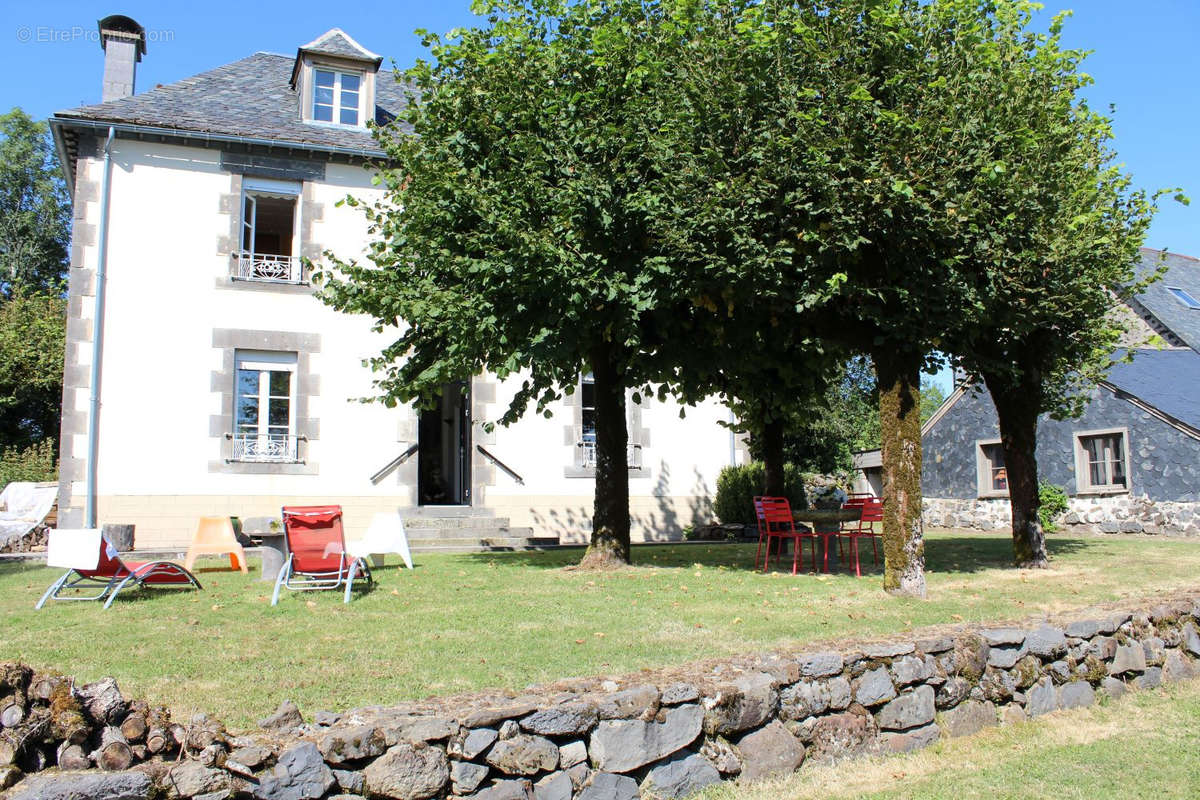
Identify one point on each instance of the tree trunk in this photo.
(1017, 408)
(900, 430)
(772, 452)
(610, 521)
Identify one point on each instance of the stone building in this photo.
(1130, 462)
(204, 378)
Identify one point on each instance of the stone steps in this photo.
(486, 545)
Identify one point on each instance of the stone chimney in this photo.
(124, 43)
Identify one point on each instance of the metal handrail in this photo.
(503, 467)
(391, 465)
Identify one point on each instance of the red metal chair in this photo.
(775, 521)
(317, 557)
(863, 527)
(107, 572)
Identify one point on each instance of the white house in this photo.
(203, 378)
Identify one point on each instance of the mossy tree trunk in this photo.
(1017, 408)
(610, 520)
(900, 429)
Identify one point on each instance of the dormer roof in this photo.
(337, 43)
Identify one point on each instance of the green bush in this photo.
(738, 486)
(36, 463)
(1052, 503)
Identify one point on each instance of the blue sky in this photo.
(1146, 63)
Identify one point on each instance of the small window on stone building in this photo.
(992, 475)
(1102, 461)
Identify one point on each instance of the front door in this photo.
(444, 449)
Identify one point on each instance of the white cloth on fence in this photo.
(23, 506)
(385, 534)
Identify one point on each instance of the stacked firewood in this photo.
(45, 721)
(33, 542)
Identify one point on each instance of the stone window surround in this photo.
(231, 204)
(1082, 473)
(983, 471)
(639, 434)
(308, 385)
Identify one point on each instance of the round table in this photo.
(826, 523)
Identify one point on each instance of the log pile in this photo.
(46, 721)
(33, 542)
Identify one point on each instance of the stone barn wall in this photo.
(1164, 494)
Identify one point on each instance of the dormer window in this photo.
(334, 77)
(336, 96)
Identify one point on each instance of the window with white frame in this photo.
(1102, 461)
(992, 474)
(265, 407)
(585, 431)
(270, 221)
(336, 96)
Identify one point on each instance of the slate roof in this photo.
(1184, 273)
(1168, 380)
(251, 97)
(337, 42)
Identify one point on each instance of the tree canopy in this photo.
(32, 342)
(515, 236)
(732, 197)
(34, 231)
(34, 208)
(1052, 227)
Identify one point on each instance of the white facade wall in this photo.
(160, 464)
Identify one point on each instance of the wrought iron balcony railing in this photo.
(267, 268)
(274, 448)
(585, 455)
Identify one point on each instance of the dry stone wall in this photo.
(1117, 514)
(651, 735)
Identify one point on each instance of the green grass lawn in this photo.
(1145, 745)
(459, 623)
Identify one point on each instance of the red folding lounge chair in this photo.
(93, 563)
(317, 557)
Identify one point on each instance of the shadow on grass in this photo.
(15, 566)
(955, 553)
(976, 552)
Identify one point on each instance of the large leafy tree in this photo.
(515, 236)
(811, 196)
(1052, 226)
(34, 208)
(32, 342)
(34, 231)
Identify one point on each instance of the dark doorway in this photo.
(444, 449)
